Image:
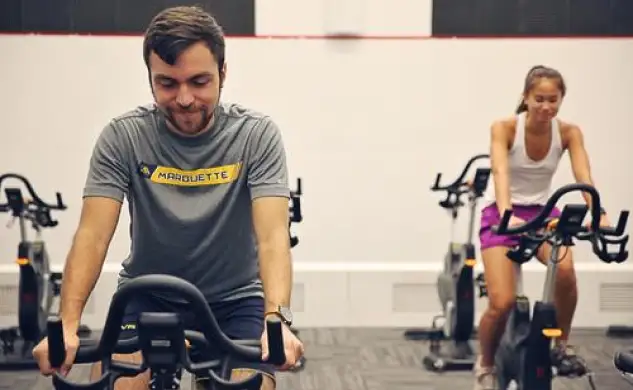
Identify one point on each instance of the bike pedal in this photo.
(571, 372)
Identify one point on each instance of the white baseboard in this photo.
(383, 294)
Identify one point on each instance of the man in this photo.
(208, 193)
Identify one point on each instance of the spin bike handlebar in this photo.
(537, 231)
(102, 351)
(458, 187)
(34, 197)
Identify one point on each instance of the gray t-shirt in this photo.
(190, 197)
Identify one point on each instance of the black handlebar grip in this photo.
(296, 210)
(299, 189)
(437, 182)
(60, 202)
(601, 249)
(526, 249)
(56, 344)
(622, 220)
(274, 330)
(502, 228)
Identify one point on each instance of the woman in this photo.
(525, 151)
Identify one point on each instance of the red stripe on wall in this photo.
(344, 37)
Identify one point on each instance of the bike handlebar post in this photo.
(550, 275)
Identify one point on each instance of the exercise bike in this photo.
(296, 217)
(523, 355)
(295, 211)
(38, 285)
(455, 283)
(162, 341)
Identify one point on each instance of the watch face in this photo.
(285, 313)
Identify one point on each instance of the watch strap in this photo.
(279, 314)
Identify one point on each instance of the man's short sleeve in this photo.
(108, 174)
(267, 168)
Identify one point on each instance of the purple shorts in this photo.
(490, 217)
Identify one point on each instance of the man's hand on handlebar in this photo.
(293, 348)
(41, 354)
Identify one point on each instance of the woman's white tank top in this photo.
(530, 181)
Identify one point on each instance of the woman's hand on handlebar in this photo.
(604, 222)
(41, 354)
(293, 347)
(515, 221)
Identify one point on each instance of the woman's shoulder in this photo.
(568, 130)
(508, 122)
(505, 127)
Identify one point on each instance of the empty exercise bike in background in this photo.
(296, 217)
(455, 283)
(295, 211)
(38, 285)
(161, 339)
(523, 355)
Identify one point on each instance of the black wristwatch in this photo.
(283, 313)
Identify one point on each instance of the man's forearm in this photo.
(276, 271)
(82, 270)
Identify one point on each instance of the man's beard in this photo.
(205, 116)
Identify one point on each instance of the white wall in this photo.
(367, 124)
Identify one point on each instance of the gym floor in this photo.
(380, 359)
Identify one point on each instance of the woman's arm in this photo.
(499, 165)
(579, 159)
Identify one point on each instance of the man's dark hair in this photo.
(175, 29)
(537, 72)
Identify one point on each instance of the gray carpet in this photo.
(380, 359)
